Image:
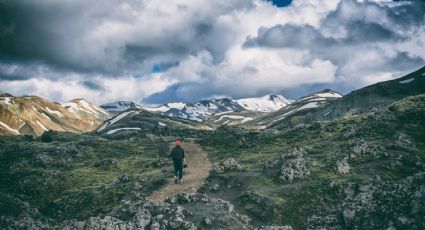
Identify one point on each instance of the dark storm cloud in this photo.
(79, 36)
(189, 51)
(92, 85)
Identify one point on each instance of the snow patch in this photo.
(406, 81)
(330, 94)
(268, 103)
(9, 128)
(162, 124)
(95, 110)
(247, 119)
(59, 114)
(158, 109)
(114, 120)
(176, 105)
(41, 125)
(44, 115)
(6, 100)
(120, 129)
(231, 117)
(308, 106)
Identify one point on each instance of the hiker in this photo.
(177, 154)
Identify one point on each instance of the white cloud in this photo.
(201, 45)
(123, 88)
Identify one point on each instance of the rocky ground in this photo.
(363, 171)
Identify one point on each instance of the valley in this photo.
(325, 161)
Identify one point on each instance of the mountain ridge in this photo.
(34, 115)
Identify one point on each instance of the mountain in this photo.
(232, 118)
(34, 115)
(376, 96)
(82, 108)
(119, 106)
(204, 109)
(198, 111)
(140, 120)
(362, 170)
(304, 105)
(268, 103)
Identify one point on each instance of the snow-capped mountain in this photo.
(119, 106)
(268, 103)
(202, 110)
(303, 105)
(81, 107)
(34, 115)
(198, 111)
(139, 120)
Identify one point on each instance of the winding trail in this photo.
(194, 175)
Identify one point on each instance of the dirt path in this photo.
(194, 175)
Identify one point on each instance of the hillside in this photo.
(140, 120)
(34, 115)
(363, 170)
(291, 113)
(374, 97)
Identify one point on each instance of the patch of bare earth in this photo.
(193, 176)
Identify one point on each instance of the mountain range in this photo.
(202, 110)
(34, 115)
(324, 161)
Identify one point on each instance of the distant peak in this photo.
(6, 95)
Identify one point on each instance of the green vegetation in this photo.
(380, 147)
(363, 171)
(76, 176)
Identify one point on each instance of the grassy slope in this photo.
(65, 178)
(258, 191)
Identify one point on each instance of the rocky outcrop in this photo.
(342, 166)
(227, 165)
(294, 165)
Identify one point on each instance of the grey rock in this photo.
(342, 166)
(285, 227)
(294, 166)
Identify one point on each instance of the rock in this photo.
(286, 227)
(348, 214)
(176, 223)
(215, 187)
(360, 148)
(227, 165)
(231, 164)
(294, 166)
(123, 178)
(105, 163)
(155, 226)
(342, 166)
(107, 223)
(404, 141)
(142, 218)
(208, 220)
(217, 168)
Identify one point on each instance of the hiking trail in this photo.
(194, 175)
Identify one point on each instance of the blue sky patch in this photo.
(281, 3)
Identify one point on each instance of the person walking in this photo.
(177, 155)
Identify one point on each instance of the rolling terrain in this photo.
(325, 161)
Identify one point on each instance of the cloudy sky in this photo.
(153, 52)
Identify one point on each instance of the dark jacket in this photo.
(177, 154)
